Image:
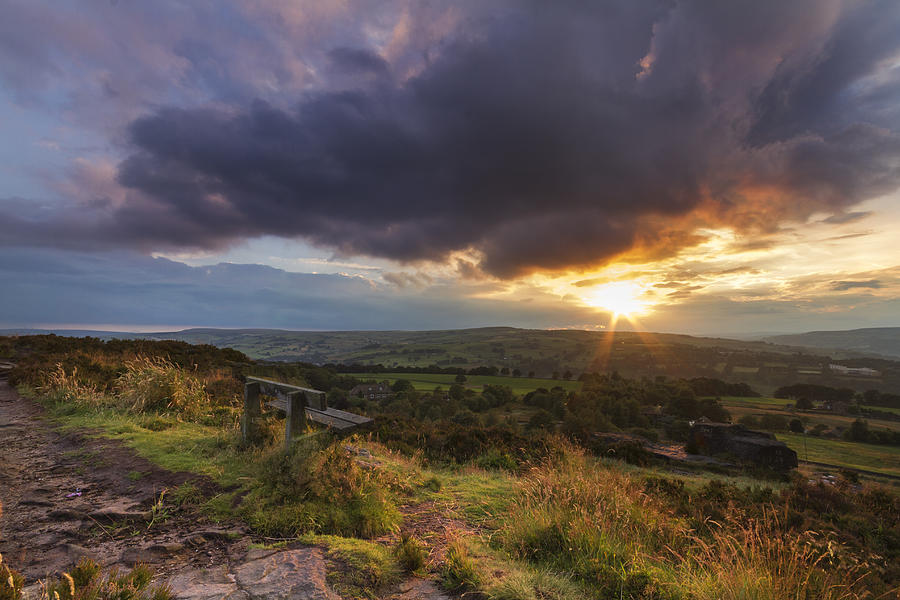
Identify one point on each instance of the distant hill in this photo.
(761, 364)
(884, 341)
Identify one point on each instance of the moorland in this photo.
(476, 482)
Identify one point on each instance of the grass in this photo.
(889, 409)
(429, 381)
(368, 566)
(202, 449)
(870, 457)
(573, 527)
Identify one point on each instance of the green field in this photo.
(738, 407)
(428, 381)
(755, 402)
(878, 459)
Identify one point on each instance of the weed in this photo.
(86, 582)
(433, 483)
(187, 494)
(159, 511)
(11, 582)
(460, 571)
(411, 553)
(135, 475)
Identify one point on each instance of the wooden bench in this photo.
(298, 404)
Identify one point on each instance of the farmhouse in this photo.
(372, 391)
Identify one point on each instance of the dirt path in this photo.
(67, 496)
(64, 496)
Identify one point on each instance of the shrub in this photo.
(497, 460)
(319, 487)
(411, 553)
(460, 571)
(773, 422)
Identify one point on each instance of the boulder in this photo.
(754, 447)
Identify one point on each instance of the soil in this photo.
(65, 496)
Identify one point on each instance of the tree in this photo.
(542, 419)
(401, 385)
(531, 374)
(567, 375)
(516, 373)
(796, 426)
(504, 371)
(457, 392)
(803, 403)
(858, 431)
(460, 378)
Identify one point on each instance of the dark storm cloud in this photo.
(557, 135)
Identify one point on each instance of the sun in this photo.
(620, 298)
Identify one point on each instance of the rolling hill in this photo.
(884, 341)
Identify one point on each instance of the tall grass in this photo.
(155, 384)
(599, 524)
(145, 385)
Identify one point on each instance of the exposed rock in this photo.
(150, 554)
(290, 575)
(266, 575)
(206, 584)
(755, 447)
(120, 512)
(258, 553)
(419, 589)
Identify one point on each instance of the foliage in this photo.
(321, 487)
(11, 582)
(859, 431)
(157, 385)
(411, 553)
(660, 540)
(460, 572)
(86, 582)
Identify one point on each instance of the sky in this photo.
(725, 168)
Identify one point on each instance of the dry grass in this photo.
(598, 524)
(157, 385)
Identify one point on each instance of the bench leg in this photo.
(295, 423)
(249, 425)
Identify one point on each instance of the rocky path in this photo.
(67, 496)
(64, 496)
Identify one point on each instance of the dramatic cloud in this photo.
(535, 136)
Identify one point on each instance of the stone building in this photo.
(372, 391)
